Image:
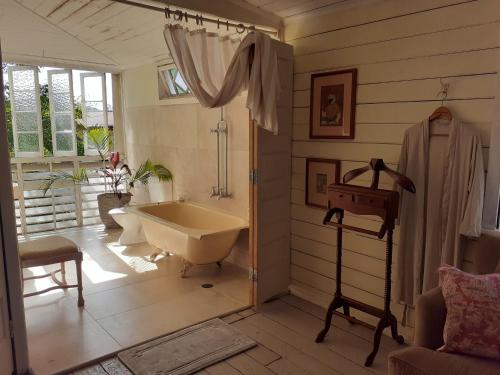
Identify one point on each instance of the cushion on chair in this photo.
(46, 247)
(473, 312)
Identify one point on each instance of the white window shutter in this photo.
(62, 112)
(94, 104)
(26, 112)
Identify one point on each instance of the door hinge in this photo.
(252, 274)
(11, 329)
(253, 176)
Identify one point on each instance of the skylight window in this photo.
(170, 82)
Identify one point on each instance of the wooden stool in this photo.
(50, 250)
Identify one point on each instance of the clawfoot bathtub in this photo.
(197, 233)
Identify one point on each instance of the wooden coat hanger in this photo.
(378, 165)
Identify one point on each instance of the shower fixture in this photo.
(221, 190)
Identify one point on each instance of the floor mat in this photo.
(186, 351)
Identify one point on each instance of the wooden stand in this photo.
(365, 201)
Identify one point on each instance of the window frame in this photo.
(15, 131)
(90, 151)
(491, 212)
(167, 68)
(54, 130)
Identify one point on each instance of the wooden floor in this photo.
(285, 330)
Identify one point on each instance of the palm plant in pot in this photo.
(119, 178)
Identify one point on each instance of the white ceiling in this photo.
(110, 36)
(292, 8)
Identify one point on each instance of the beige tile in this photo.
(128, 300)
(77, 340)
(133, 296)
(167, 316)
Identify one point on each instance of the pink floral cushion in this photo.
(473, 312)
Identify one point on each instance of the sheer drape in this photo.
(217, 69)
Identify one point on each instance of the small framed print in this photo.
(333, 104)
(320, 173)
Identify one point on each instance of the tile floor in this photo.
(127, 300)
(285, 330)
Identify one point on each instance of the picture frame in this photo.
(332, 109)
(320, 173)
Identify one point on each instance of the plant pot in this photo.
(108, 201)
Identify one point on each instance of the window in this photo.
(491, 215)
(62, 112)
(94, 104)
(170, 82)
(26, 114)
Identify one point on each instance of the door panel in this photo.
(271, 192)
(6, 361)
(11, 304)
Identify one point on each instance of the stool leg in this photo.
(63, 272)
(81, 301)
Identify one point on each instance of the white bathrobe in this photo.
(448, 174)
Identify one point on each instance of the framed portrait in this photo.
(333, 104)
(320, 173)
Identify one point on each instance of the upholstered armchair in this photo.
(430, 316)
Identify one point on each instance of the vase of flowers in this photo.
(118, 175)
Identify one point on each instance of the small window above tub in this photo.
(170, 83)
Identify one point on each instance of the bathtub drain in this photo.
(206, 286)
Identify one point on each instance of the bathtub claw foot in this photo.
(185, 267)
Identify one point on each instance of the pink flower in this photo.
(115, 159)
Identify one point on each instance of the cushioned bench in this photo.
(51, 250)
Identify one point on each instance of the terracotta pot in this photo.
(108, 201)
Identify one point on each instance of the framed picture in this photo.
(319, 174)
(333, 104)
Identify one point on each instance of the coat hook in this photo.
(445, 86)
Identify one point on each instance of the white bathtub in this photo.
(197, 233)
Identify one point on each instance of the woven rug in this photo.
(186, 351)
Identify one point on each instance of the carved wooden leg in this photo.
(63, 273)
(81, 301)
(185, 267)
(376, 341)
(347, 312)
(394, 330)
(336, 303)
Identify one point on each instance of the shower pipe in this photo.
(221, 131)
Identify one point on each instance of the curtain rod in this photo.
(179, 15)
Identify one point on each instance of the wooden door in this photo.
(11, 298)
(270, 180)
(6, 361)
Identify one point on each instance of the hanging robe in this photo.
(446, 208)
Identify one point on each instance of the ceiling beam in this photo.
(236, 10)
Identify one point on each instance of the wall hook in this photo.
(443, 93)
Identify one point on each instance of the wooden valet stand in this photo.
(365, 201)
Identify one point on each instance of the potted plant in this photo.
(118, 177)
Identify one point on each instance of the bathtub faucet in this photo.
(219, 193)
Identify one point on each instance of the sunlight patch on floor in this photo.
(96, 274)
(134, 257)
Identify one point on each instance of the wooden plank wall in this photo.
(401, 48)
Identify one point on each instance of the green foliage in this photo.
(78, 177)
(101, 138)
(148, 170)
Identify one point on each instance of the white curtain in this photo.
(216, 69)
